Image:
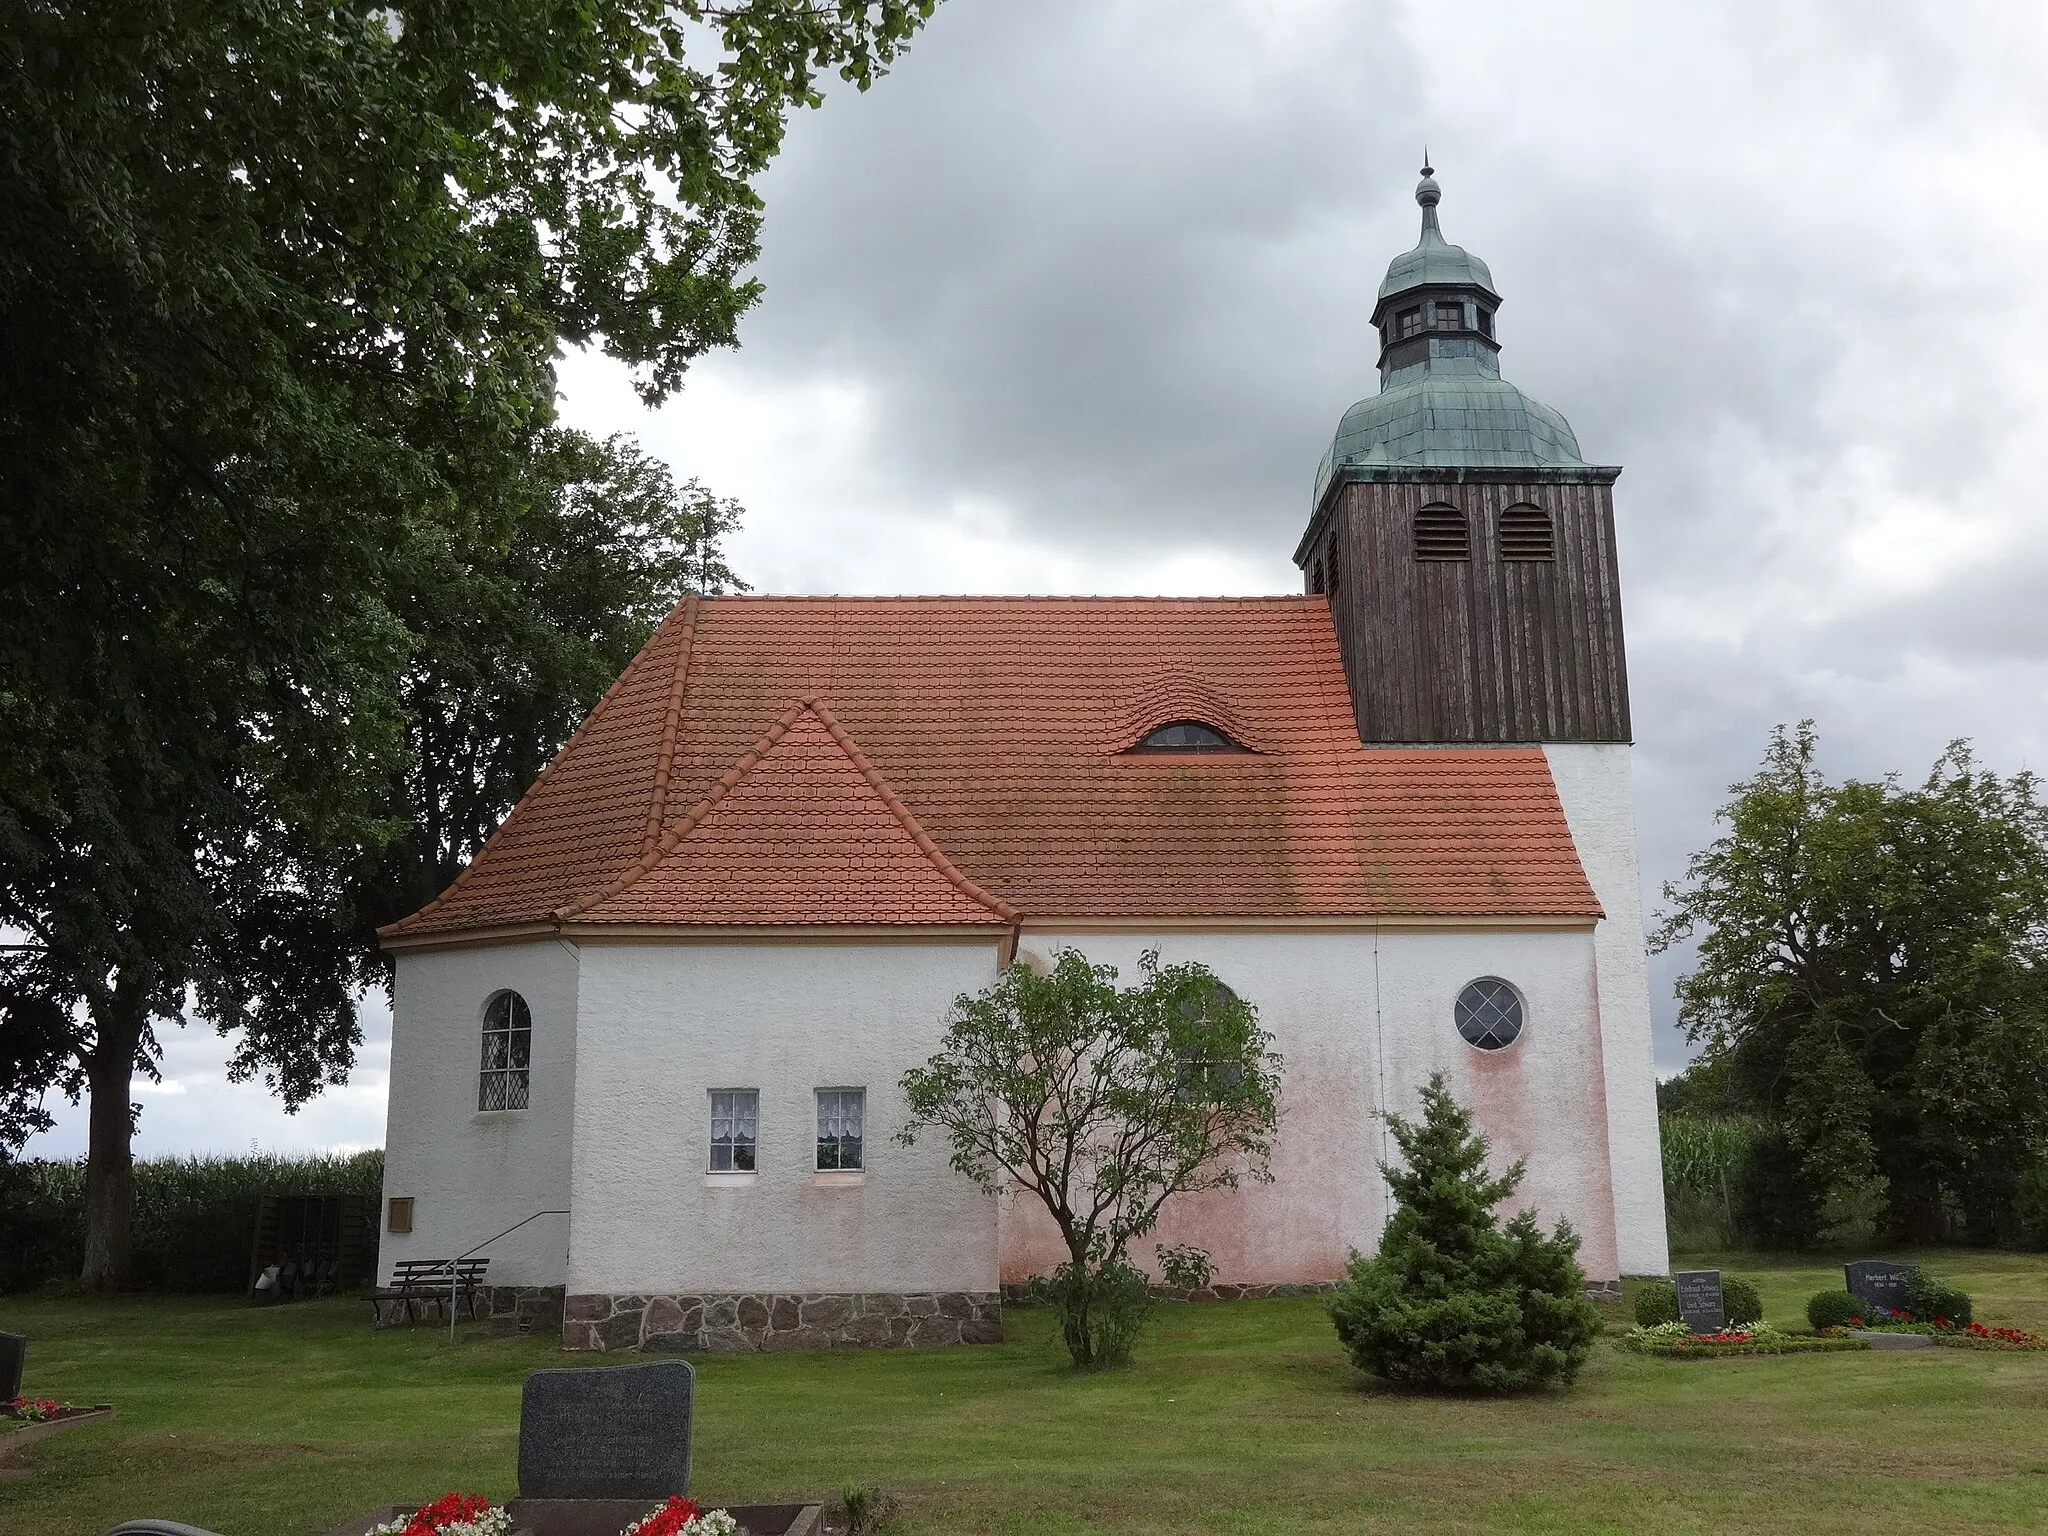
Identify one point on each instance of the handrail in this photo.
(454, 1272)
(536, 1216)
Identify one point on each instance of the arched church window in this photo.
(508, 1049)
(1441, 534)
(1489, 1014)
(1203, 1078)
(1187, 736)
(1527, 533)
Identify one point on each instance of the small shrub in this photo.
(1453, 1300)
(1656, 1304)
(1102, 1307)
(1741, 1301)
(1183, 1266)
(867, 1508)
(1929, 1298)
(1835, 1309)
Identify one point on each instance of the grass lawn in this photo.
(1240, 1418)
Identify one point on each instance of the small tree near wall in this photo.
(1102, 1101)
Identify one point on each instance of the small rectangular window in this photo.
(398, 1215)
(1450, 317)
(735, 1127)
(1485, 320)
(1410, 321)
(841, 1112)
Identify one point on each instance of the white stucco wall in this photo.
(664, 1025)
(470, 1173)
(1350, 1012)
(1593, 782)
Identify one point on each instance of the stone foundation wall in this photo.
(770, 1323)
(1020, 1295)
(522, 1308)
(506, 1308)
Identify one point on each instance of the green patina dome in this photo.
(1434, 259)
(1442, 402)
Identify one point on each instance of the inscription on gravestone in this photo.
(1880, 1283)
(13, 1354)
(618, 1433)
(1699, 1300)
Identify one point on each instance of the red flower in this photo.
(449, 1509)
(669, 1519)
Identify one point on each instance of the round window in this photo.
(1489, 1014)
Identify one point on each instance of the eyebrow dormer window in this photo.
(1187, 736)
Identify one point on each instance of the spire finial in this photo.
(1429, 194)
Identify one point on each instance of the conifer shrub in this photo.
(1454, 1300)
(1930, 1298)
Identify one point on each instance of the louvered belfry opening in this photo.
(1527, 533)
(1441, 533)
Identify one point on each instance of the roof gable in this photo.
(801, 830)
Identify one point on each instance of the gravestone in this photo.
(618, 1433)
(1881, 1284)
(13, 1355)
(1700, 1306)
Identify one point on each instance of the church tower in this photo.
(1467, 551)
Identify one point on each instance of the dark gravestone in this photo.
(13, 1355)
(1699, 1300)
(1881, 1284)
(618, 1432)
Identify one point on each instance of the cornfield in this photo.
(194, 1216)
(1703, 1159)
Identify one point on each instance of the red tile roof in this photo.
(963, 761)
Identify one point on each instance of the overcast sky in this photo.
(1072, 302)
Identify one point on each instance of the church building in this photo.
(671, 1002)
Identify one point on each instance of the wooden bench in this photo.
(417, 1282)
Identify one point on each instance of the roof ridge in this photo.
(903, 815)
(596, 711)
(657, 806)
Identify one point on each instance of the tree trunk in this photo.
(110, 1153)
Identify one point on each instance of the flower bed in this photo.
(471, 1514)
(1950, 1335)
(24, 1411)
(1674, 1341)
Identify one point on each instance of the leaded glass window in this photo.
(735, 1128)
(508, 1049)
(840, 1114)
(1489, 1014)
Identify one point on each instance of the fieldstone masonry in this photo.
(522, 1308)
(770, 1323)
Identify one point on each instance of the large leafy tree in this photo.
(1102, 1102)
(517, 633)
(281, 287)
(1871, 977)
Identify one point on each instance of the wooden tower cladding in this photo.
(1474, 604)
